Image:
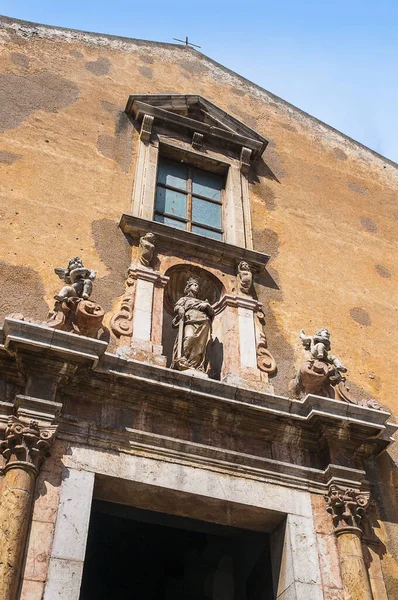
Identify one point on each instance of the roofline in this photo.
(137, 41)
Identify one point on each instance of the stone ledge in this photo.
(309, 409)
(193, 244)
(210, 457)
(38, 338)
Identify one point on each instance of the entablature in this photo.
(188, 418)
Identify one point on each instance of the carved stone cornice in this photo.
(155, 278)
(181, 242)
(217, 127)
(237, 302)
(26, 444)
(347, 506)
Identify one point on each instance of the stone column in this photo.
(25, 447)
(348, 507)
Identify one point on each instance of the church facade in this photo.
(198, 283)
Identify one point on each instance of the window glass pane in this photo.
(173, 173)
(206, 212)
(171, 202)
(172, 222)
(211, 234)
(207, 184)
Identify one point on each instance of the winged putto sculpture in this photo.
(78, 279)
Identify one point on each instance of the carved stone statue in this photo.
(147, 248)
(72, 310)
(78, 279)
(319, 348)
(321, 373)
(245, 278)
(193, 320)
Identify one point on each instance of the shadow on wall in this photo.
(114, 251)
(22, 292)
(261, 170)
(266, 240)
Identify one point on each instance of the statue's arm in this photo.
(306, 339)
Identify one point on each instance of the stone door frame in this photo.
(284, 512)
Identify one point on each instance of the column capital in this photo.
(26, 443)
(348, 507)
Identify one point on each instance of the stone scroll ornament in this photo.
(193, 320)
(122, 322)
(322, 373)
(27, 442)
(347, 506)
(265, 361)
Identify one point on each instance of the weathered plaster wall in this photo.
(323, 206)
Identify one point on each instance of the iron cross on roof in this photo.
(187, 42)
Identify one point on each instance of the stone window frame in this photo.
(191, 195)
(232, 145)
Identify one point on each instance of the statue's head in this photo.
(191, 287)
(244, 266)
(323, 333)
(150, 237)
(75, 263)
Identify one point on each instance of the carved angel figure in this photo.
(245, 278)
(78, 279)
(319, 347)
(147, 247)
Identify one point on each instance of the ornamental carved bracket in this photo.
(347, 506)
(122, 322)
(27, 442)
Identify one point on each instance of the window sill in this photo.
(193, 244)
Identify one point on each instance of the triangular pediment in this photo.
(196, 114)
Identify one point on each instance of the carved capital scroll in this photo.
(347, 506)
(27, 442)
(197, 140)
(146, 128)
(245, 158)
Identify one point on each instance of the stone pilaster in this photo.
(25, 447)
(145, 316)
(246, 356)
(348, 507)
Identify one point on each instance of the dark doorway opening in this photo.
(135, 554)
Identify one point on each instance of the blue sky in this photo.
(337, 59)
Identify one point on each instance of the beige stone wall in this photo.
(324, 207)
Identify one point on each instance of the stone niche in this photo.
(211, 289)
